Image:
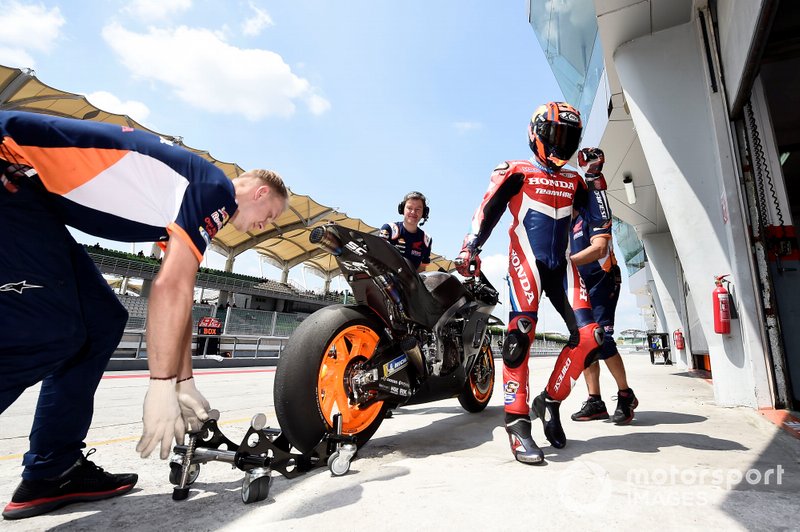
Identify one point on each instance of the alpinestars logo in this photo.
(18, 287)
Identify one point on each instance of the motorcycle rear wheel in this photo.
(480, 385)
(311, 383)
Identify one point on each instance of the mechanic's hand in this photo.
(194, 407)
(13, 174)
(468, 263)
(591, 161)
(162, 418)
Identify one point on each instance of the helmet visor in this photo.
(561, 139)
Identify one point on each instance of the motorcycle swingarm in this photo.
(262, 450)
(385, 377)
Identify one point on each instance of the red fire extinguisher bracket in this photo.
(721, 306)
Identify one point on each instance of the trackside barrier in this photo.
(134, 346)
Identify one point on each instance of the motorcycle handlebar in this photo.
(472, 264)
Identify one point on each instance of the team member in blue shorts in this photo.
(406, 236)
(594, 255)
(60, 320)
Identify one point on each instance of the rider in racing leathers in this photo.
(541, 197)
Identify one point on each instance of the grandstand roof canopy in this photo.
(284, 244)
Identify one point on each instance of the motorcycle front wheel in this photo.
(313, 375)
(479, 387)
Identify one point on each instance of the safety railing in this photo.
(134, 346)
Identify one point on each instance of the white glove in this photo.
(194, 407)
(161, 418)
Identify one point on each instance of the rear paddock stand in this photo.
(262, 450)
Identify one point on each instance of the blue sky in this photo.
(354, 103)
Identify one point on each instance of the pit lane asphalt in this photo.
(435, 466)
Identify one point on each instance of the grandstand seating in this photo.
(137, 311)
(142, 266)
(235, 321)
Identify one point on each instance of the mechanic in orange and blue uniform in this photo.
(60, 320)
(409, 239)
(593, 253)
(542, 198)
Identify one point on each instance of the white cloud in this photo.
(464, 127)
(150, 10)
(317, 104)
(260, 20)
(110, 103)
(205, 71)
(16, 57)
(27, 28)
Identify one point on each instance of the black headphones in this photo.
(418, 196)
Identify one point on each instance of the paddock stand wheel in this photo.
(175, 468)
(255, 485)
(339, 460)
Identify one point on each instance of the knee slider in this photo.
(515, 349)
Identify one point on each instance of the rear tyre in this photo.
(480, 385)
(312, 378)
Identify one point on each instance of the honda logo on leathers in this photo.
(551, 182)
(522, 276)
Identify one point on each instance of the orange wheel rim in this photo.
(352, 345)
(481, 378)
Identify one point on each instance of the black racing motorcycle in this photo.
(409, 339)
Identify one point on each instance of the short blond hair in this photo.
(272, 179)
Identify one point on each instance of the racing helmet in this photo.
(417, 196)
(555, 133)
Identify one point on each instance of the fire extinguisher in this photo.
(722, 309)
(677, 336)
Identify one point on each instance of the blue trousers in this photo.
(604, 290)
(59, 325)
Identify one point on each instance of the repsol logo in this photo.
(561, 375)
(524, 282)
(557, 183)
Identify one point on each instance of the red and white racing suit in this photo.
(541, 201)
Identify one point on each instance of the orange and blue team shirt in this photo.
(580, 238)
(416, 247)
(118, 182)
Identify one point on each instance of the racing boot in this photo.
(593, 408)
(626, 402)
(524, 448)
(546, 409)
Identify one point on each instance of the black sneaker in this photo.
(592, 408)
(626, 403)
(522, 445)
(84, 481)
(546, 409)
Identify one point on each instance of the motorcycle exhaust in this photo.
(411, 348)
(324, 238)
